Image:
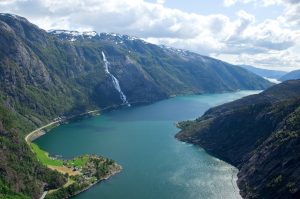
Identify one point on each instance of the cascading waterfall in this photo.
(115, 81)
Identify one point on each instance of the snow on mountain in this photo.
(76, 35)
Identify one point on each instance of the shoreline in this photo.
(37, 132)
(98, 181)
(33, 135)
(40, 132)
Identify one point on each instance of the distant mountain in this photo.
(44, 75)
(273, 74)
(259, 134)
(291, 75)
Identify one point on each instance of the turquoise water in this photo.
(155, 164)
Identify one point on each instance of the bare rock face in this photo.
(260, 135)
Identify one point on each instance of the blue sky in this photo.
(262, 33)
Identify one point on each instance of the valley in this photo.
(51, 147)
(141, 139)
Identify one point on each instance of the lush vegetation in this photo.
(19, 168)
(78, 161)
(43, 77)
(91, 170)
(260, 135)
(6, 193)
(44, 158)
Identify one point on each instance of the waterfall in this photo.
(115, 81)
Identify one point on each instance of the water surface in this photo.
(155, 164)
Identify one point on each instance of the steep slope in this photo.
(260, 135)
(71, 70)
(46, 75)
(173, 70)
(21, 175)
(291, 75)
(274, 74)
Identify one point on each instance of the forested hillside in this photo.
(259, 134)
(44, 75)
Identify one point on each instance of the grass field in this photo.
(73, 169)
(78, 161)
(43, 156)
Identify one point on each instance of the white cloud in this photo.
(228, 3)
(160, 1)
(232, 39)
(291, 15)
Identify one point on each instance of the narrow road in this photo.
(27, 138)
(44, 194)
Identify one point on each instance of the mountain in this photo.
(273, 74)
(44, 75)
(291, 75)
(181, 71)
(260, 135)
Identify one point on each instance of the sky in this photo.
(262, 33)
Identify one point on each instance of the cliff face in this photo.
(260, 135)
(44, 75)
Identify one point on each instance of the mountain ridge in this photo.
(291, 75)
(267, 73)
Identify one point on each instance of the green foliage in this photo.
(93, 169)
(6, 193)
(66, 192)
(43, 156)
(42, 77)
(259, 134)
(21, 161)
(78, 161)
